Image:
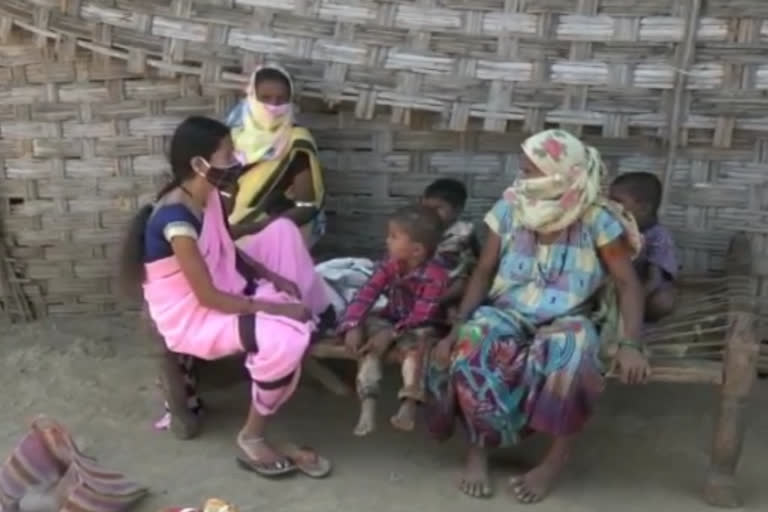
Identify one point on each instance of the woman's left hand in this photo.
(285, 285)
(631, 365)
(442, 351)
(259, 225)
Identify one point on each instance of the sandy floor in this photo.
(647, 448)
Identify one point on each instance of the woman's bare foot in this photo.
(536, 484)
(367, 422)
(475, 481)
(405, 419)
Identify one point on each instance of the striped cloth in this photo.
(46, 456)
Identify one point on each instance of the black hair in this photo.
(449, 190)
(423, 225)
(644, 187)
(195, 136)
(272, 75)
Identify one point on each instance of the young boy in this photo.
(458, 250)
(413, 283)
(640, 194)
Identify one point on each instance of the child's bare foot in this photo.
(475, 481)
(405, 419)
(536, 484)
(367, 422)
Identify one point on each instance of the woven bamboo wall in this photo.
(90, 90)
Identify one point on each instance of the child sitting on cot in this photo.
(656, 265)
(413, 282)
(458, 250)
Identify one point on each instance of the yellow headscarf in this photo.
(573, 175)
(260, 134)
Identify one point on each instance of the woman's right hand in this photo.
(631, 366)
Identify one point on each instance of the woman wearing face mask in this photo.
(282, 173)
(208, 300)
(524, 354)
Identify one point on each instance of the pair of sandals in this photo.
(295, 459)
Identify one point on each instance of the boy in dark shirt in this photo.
(458, 249)
(657, 266)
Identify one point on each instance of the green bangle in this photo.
(631, 344)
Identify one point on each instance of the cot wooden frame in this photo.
(733, 374)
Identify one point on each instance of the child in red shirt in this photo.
(414, 284)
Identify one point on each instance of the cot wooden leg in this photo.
(326, 377)
(739, 374)
(739, 370)
(184, 424)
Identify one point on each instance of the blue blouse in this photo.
(166, 223)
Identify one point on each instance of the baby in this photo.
(458, 250)
(657, 266)
(413, 282)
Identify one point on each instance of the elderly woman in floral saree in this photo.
(524, 354)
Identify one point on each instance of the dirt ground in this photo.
(646, 449)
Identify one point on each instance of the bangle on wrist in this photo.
(627, 342)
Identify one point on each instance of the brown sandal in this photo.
(307, 460)
(283, 466)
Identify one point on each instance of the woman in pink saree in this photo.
(210, 300)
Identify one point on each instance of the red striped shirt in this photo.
(413, 298)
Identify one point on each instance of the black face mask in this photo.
(224, 178)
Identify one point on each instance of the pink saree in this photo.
(274, 345)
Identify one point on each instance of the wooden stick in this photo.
(326, 377)
(687, 50)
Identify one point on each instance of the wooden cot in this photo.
(710, 339)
